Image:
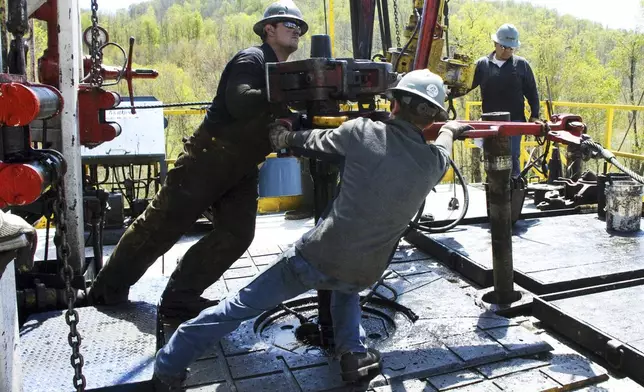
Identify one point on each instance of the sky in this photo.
(617, 14)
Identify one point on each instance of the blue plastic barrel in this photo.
(280, 177)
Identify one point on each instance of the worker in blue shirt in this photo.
(505, 79)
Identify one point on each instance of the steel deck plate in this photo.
(606, 319)
(118, 344)
(550, 254)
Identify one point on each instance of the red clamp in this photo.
(92, 103)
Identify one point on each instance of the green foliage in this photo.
(190, 41)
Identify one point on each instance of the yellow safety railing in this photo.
(526, 145)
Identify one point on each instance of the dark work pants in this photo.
(210, 172)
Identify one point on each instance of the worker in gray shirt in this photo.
(388, 171)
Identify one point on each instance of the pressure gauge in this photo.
(102, 37)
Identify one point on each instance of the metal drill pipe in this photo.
(498, 166)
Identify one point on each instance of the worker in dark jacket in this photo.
(505, 79)
(219, 168)
(388, 171)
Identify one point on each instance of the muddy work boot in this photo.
(174, 311)
(360, 367)
(168, 384)
(97, 295)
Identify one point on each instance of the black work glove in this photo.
(456, 128)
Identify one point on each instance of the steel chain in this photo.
(71, 315)
(396, 23)
(96, 80)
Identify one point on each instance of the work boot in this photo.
(105, 296)
(168, 384)
(360, 367)
(299, 214)
(176, 311)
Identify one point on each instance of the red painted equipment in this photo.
(92, 101)
(564, 128)
(93, 128)
(22, 103)
(22, 183)
(428, 27)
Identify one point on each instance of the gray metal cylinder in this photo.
(498, 166)
(623, 206)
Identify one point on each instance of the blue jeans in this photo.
(288, 277)
(515, 148)
(516, 153)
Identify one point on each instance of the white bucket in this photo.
(623, 206)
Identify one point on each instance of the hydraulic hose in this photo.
(426, 226)
(411, 38)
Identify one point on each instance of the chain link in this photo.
(96, 80)
(71, 315)
(396, 23)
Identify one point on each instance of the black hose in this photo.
(411, 38)
(426, 227)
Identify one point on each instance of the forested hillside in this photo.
(190, 41)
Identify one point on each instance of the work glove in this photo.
(279, 133)
(17, 239)
(456, 128)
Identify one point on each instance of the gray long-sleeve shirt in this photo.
(388, 172)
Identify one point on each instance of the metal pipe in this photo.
(387, 25)
(68, 47)
(498, 167)
(2, 55)
(382, 27)
(426, 35)
(332, 27)
(362, 21)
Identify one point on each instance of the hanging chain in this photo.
(396, 22)
(96, 80)
(71, 315)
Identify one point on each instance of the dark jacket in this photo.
(240, 112)
(503, 89)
